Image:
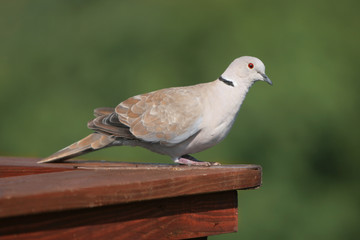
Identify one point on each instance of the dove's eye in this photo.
(251, 66)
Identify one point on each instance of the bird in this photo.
(176, 121)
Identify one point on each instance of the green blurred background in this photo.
(61, 59)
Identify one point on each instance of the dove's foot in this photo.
(191, 161)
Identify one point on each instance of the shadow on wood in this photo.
(172, 218)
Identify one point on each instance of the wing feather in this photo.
(110, 124)
(169, 116)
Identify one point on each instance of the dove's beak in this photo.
(266, 78)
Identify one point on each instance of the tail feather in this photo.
(93, 142)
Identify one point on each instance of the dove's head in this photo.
(246, 70)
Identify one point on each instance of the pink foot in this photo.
(191, 161)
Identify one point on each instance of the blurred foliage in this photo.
(61, 59)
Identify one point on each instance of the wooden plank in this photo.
(172, 218)
(28, 162)
(12, 166)
(85, 189)
(12, 171)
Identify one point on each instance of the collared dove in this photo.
(174, 121)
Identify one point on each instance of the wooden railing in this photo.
(112, 200)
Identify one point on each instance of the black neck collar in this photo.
(227, 82)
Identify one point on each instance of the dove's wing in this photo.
(168, 116)
(107, 122)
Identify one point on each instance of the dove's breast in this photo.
(222, 103)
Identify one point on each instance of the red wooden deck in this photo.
(112, 200)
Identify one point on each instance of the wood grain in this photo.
(106, 185)
(11, 167)
(117, 200)
(172, 218)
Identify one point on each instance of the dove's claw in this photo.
(191, 161)
(184, 161)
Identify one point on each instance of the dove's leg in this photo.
(189, 160)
